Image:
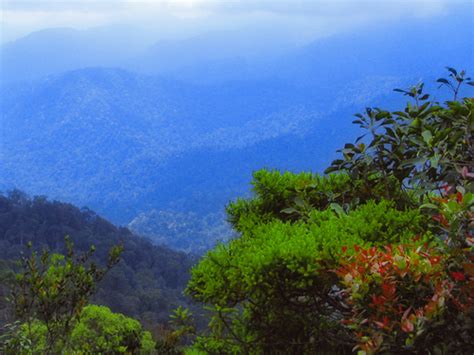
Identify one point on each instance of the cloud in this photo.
(314, 17)
(287, 7)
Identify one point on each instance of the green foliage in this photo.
(317, 255)
(53, 289)
(173, 341)
(291, 197)
(279, 276)
(146, 284)
(423, 146)
(6, 278)
(97, 330)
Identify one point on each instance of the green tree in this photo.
(52, 290)
(97, 330)
(278, 287)
(423, 147)
(101, 331)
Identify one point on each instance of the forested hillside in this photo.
(146, 284)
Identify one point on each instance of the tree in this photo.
(52, 290)
(97, 330)
(400, 206)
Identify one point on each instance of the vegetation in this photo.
(146, 284)
(188, 232)
(97, 330)
(376, 256)
(53, 290)
(50, 297)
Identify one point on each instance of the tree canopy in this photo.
(374, 256)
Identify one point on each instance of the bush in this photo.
(372, 258)
(98, 330)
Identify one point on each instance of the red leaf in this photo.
(388, 290)
(407, 326)
(458, 276)
(378, 300)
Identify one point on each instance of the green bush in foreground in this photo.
(98, 330)
(376, 258)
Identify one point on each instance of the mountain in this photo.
(136, 146)
(215, 57)
(416, 47)
(55, 50)
(146, 284)
(125, 143)
(185, 231)
(412, 47)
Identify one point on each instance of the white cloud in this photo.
(178, 17)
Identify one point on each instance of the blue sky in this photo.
(183, 18)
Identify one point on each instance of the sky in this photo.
(308, 19)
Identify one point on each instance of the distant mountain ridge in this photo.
(188, 232)
(125, 143)
(186, 139)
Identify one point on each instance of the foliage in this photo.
(279, 276)
(173, 341)
(358, 259)
(406, 296)
(146, 284)
(423, 146)
(188, 232)
(97, 330)
(100, 330)
(54, 288)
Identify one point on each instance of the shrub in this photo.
(350, 261)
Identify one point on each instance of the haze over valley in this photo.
(107, 118)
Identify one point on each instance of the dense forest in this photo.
(376, 255)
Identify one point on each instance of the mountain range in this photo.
(141, 133)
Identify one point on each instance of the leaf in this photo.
(289, 210)
(427, 136)
(299, 201)
(452, 70)
(414, 161)
(416, 123)
(435, 161)
(337, 208)
(429, 205)
(442, 81)
(331, 169)
(407, 326)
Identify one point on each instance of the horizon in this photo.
(303, 21)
